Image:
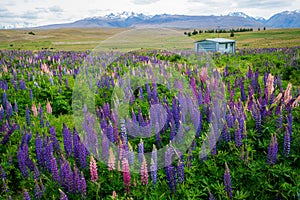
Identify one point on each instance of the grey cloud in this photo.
(143, 2)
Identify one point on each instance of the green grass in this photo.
(127, 39)
(260, 39)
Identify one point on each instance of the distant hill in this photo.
(286, 19)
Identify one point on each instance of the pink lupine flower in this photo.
(114, 195)
(34, 110)
(126, 175)
(93, 169)
(144, 172)
(49, 108)
(111, 160)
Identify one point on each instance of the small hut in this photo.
(221, 45)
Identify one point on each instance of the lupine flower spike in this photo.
(93, 169)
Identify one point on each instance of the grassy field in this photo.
(126, 39)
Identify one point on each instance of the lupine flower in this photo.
(272, 150)
(114, 195)
(54, 170)
(93, 169)
(211, 196)
(111, 160)
(22, 162)
(30, 94)
(39, 150)
(27, 116)
(227, 181)
(37, 191)
(34, 110)
(63, 196)
(144, 172)
(54, 139)
(83, 185)
(141, 151)
(237, 134)
(126, 175)
(26, 195)
(242, 89)
(286, 142)
(48, 107)
(82, 156)
(105, 146)
(171, 178)
(180, 170)
(153, 171)
(9, 133)
(67, 135)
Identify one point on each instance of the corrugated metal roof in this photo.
(219, 40)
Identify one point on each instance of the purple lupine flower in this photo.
(140, 151)
(272, 150)
(4, 99)
(27, 116)
(62, 196)
(39, 150)
(153, 171)
(48, 152)
(67, 136)
(16, 109)
(76, 143)
(130, 154)
(26, 195)
(237, 135)
(22, 162)
(9, 133)
(212, 141)
(242, 89)
(36, 172)
(278, 112)
(226, 132)
(22, 84)
(82, 156)
(286, 142)
(54, 139)
(76, 180)
(105, 146)
(54, 170)
(289, 122)
(37, 191)
(227, 181)
(171, 178)
(211, 196)
(1, 113)
(83, 185)
(180, 170)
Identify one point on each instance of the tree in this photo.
(189, 34)
(258, 29)
(185, 33)
(195, 32)
(231, 34)
(264, 28)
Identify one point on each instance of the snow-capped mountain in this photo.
(286, 19)
(125, 15)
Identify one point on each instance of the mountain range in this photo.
(286, 19)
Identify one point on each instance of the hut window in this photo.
(226, 46)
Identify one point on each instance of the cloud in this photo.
(55, 9)
(144, 2)
(262, 4)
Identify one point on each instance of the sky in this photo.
(43, 12)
